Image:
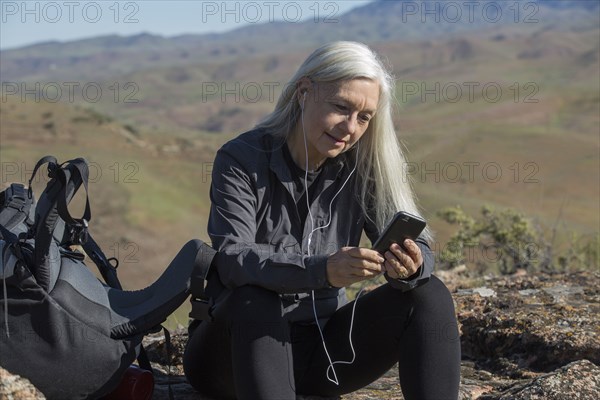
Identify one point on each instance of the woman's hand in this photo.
(400, 263)
(353, 264)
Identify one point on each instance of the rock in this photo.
(577, 380)
(13, 387)
(537, 323)
(453, 278)
(482, 291)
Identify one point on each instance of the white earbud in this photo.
(303, 100)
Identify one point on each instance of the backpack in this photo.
(70, 334)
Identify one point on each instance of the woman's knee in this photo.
(432, 297)
(433, 311)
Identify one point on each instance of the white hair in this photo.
(381, 164)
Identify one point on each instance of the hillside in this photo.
(504, 113)
(147, 199)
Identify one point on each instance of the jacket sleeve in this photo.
(423, 273)
(232, 227)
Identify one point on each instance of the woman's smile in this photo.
(335, 140)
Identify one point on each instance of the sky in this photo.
(28, 22)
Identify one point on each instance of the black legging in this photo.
(253, 353)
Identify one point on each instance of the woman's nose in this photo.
(350, 123)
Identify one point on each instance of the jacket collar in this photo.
(333, 168)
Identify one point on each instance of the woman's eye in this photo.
(341, 107)
(365, 118)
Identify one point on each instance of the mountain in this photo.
(379, 21)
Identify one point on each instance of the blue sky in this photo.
(28, 22)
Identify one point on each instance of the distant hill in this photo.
(380, 21)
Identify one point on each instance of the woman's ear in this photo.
(302, 88)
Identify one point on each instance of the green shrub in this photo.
(580, 252)
(506, 240)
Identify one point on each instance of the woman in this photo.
(281, 324)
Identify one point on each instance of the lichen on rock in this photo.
(14, 387)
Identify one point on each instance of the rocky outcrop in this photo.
(524, 337)
(13, 387)
(536, 323)
(577, 380)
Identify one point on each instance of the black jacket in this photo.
(256, 227)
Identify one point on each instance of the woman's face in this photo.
(336, 115)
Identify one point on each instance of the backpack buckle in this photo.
(80, 232)
(201, 309)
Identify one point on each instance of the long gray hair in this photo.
(386, 186)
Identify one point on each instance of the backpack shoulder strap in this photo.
(52, 209)
(156, 302)
(201, 302)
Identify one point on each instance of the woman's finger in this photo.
(375, 268)
(413, 251)
(400, 262)
(398, 253)
(395, 270)
(366, 254)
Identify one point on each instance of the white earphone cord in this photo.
(313, 229)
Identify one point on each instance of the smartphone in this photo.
(403, 226)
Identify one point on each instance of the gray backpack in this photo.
(70, 334)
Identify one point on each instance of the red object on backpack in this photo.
(137, 384)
